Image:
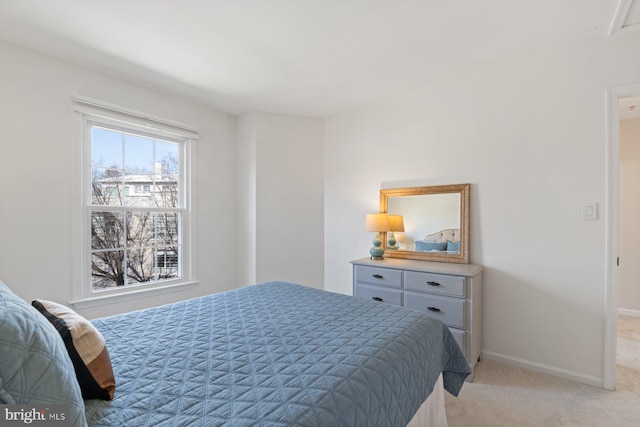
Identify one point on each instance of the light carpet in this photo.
(503, 395)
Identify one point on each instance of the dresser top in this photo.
(418, 265)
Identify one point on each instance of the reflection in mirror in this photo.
(436, 222)
(431, 232)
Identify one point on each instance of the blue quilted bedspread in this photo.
(274, 354)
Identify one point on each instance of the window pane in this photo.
(107, 230)
(139, 229)
(107, 269)
(106, 187)
(167, 154)
(167, 157)
(106, 148)
(138, 154)
(166, 192)
(140, 263)
(138, 189)
(167, 263)
(167, 227)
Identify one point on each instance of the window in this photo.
(136, 194)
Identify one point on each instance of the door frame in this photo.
(613, 228)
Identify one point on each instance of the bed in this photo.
(276, 354)
(445, 241)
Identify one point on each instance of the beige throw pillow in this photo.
(86, 348)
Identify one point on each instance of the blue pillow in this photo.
(423, 246)
(35, 367)
(453, 246)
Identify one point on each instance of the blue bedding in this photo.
(274, 354)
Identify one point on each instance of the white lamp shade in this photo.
(396, 223)
(377, 222)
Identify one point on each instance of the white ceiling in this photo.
(306, 57)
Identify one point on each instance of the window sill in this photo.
(114, 298)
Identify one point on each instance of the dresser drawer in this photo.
(435, 283)
(378, 293)
(450, 311)
(378, 276)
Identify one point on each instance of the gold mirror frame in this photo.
(463, 190)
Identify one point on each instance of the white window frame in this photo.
(87, 113)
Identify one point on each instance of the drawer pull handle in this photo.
(378, 276)
(433, 283)
(377, 299)
(436, 309)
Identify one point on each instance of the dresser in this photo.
(449, 292)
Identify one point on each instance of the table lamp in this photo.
(396, 223)
(377, 223)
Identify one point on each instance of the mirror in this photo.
(436, 222)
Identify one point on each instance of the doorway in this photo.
(616, 98)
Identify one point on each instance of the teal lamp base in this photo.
(391, 242)
(377, 251)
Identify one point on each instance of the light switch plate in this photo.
(589, 211)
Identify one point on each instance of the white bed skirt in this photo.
(431, 412)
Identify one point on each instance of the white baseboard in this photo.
(544, 369)
(628, 312)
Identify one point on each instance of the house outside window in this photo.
(136, 193)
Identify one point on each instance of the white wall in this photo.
(36, 176)
(281, 199)
(246, 187)
(531, 139)
(629, 271)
